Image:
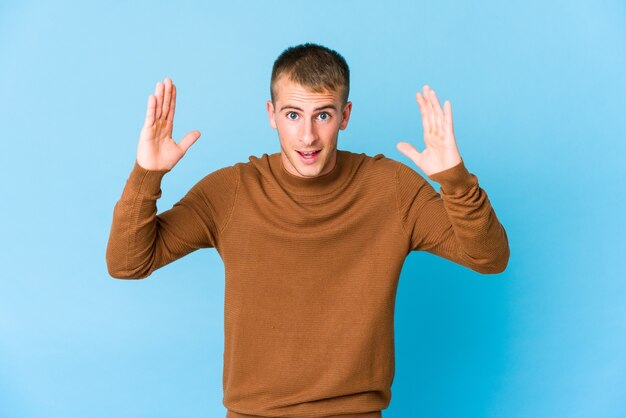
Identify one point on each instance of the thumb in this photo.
(188, 140)
(410, 151)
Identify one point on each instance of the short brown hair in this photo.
(313, 66)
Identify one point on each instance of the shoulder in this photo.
(379, 164)
(223, 179)
(380, 171)
(226, 173)
(258, 168)
(258, 164)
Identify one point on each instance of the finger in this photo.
(427, 121)
(447, 113)
(430, 112)
(409, 150)
(433, 111)
(150, 111)
(167, 97)
(159, 99)
(170, 115)
(188, 140)
(437, 108)
(424, 110)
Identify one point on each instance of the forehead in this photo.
(290, 92)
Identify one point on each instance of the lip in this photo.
(309, 160)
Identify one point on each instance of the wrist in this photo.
(146, 181)
(455, 180)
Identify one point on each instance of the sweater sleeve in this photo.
(140, 241)
(459, 224)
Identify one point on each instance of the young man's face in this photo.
(307, 121)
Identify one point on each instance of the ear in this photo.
(270, 113)
(345, 115)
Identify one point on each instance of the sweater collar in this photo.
(311, 186)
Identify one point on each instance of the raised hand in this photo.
(157, 150)
(441, 151)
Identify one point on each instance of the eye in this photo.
(324, 116)
(292, 115)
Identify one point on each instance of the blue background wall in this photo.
(537, 90)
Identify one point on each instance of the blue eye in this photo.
(292, 115)
(325, 116)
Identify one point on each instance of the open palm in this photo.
(441, 151)
(157, 150)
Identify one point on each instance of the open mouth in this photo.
(309, 155)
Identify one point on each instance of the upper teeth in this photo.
(308, 153)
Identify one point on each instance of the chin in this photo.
(309, 171)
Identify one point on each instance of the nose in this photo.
(309, 135)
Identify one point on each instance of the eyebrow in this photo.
(326, 106)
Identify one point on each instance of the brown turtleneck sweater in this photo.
(312, 267)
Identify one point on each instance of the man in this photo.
(313, 240)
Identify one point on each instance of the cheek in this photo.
(287, 132)
(329, 132)
(287, 126)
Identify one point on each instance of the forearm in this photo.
(475, 236)
(131, 249)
